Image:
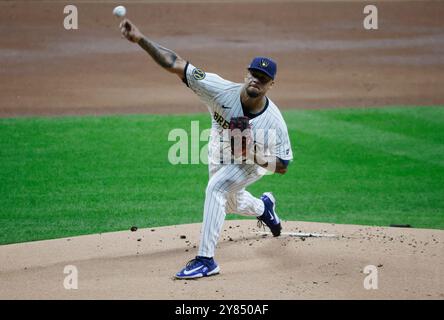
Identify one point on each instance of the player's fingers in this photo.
(124, 30)
(122, 23)
(125, 34)
(127, 26)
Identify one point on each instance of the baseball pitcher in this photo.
(249, 138)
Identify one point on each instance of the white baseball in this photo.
(119, 11)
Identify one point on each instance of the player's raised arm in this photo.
(166, 58)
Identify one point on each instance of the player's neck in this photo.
(253, 105)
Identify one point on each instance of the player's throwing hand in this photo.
(130, 31)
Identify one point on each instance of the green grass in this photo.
(68, 176)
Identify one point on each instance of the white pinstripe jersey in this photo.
(222, 97)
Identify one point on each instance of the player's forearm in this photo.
(166, 58)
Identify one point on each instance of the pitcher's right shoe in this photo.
(269, 217)
(198, 268)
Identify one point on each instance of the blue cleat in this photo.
(269, 217)
(198, 268)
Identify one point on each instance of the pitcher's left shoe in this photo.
(269, 217)
(198, 268)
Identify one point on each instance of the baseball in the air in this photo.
(119, 11)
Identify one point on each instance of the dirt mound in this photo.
(141, 264)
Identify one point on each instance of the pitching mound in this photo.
(141, 264)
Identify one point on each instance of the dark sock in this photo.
(206, 258)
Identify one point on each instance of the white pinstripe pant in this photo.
(226, 193)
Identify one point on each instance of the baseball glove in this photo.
(238, 137)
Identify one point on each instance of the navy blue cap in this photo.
(265, 65)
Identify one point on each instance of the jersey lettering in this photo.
(221, 121)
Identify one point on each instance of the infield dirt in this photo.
(141, 264)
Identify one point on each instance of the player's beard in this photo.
(252, 93)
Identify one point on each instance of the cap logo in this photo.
(264, 63)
